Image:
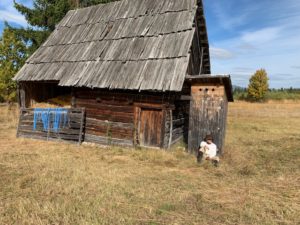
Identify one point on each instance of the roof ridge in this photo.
(126, 18)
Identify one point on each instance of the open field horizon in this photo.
(258, 181)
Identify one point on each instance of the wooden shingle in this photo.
(128, 44)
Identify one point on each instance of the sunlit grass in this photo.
(258, 181)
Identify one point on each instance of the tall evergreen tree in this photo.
(43, 17)
(17, 44)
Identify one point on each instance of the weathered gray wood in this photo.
(180, 69)
(207, 116)
(98, 15)
(171, 129)
(18, 126)
(44, 138)
(136, 77)
(50, 135)
(107, 141)
(66, 19)
(68, 131)
(22, 96)
(81, 127)
(84, 80)
(105, 123)
(74, 131)
(151, 68)
(114, 35)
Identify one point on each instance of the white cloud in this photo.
(221, 10)
(245, 70)
(262, 35)
(269, 39)
(12, 17)
(219, 53)
(10, 14)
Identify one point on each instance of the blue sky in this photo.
(244, 35)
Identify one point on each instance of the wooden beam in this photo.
(171, 129)
(185, 97)
(81, 127)
(22, 96)
(163, 130)
(201, 61)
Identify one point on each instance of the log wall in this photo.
(113, 118)
(180, 121)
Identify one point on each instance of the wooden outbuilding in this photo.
(139, 68)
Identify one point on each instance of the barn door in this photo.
(150, 127)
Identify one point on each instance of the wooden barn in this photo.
(139, 70)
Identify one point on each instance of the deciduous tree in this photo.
(258, 85)
(12, 57)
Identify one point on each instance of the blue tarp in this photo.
(52, 118)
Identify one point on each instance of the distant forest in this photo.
(240, 93)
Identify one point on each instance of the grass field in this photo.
(257, 183)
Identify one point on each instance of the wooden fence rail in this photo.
(73, 131)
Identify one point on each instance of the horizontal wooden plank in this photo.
(72, 131)
(41, 129)
(121, 98)
(44, 134)
(90, 111)
(70, 125)
(113, 134)
(72, 118)
(112, 118)
(178, 122)
(45, 138)
(100, 106)
(118, 95)
(185, 97)
(107, 141)
(104, 102)
(108, 129)
(127, 133)
(177, 135)
(70, 110)
(113, 124)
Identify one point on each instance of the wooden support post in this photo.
(201, 62)
(19, 123)
(48, 132)
(171, 128)
(163, 128)
(73, 99)
(81, 127)
(22, 96)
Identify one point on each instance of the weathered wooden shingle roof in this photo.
(130, 44)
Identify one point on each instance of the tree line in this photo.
(258, 90)
(17, 44)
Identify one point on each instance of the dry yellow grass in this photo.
(257, 183)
